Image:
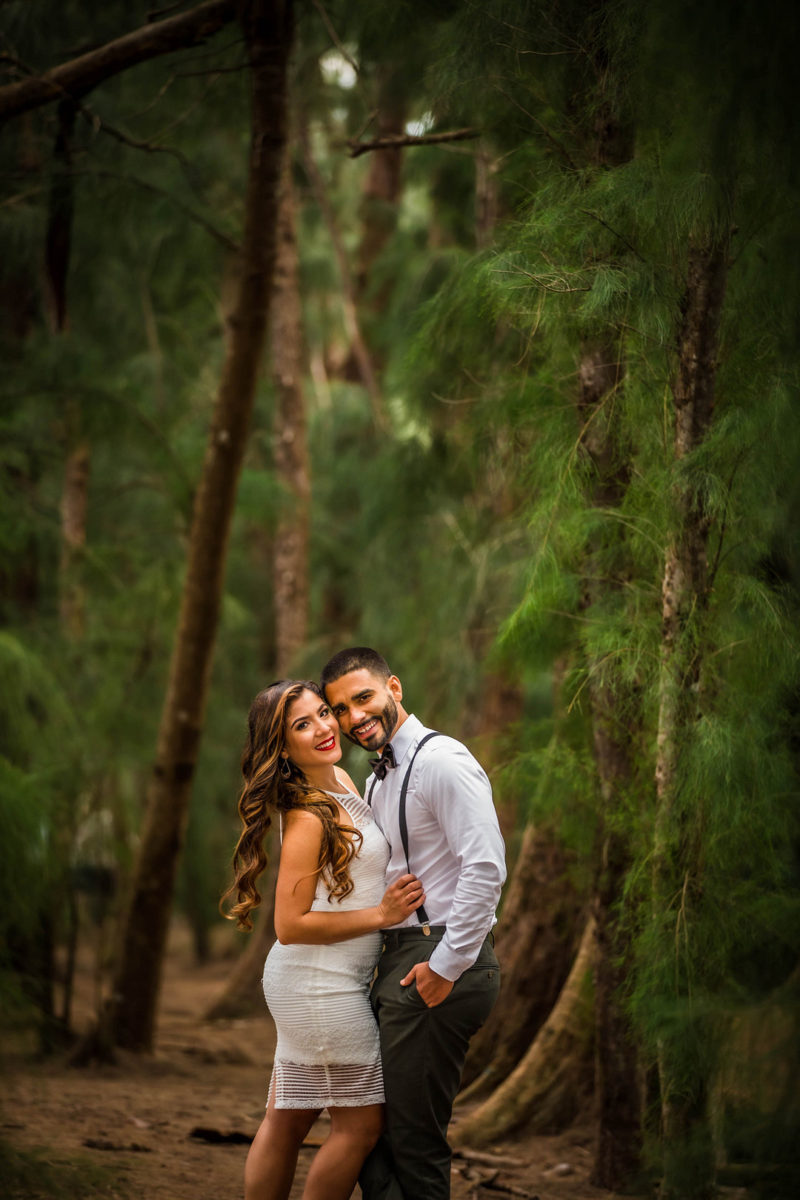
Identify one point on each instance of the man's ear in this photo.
(395, 688)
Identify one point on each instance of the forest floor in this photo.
(124, 1131)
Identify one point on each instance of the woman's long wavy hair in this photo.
(266, 791)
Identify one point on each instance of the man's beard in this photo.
(388, 719)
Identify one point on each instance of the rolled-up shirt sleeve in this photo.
(457, 791)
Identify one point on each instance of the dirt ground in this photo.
(137, 1116)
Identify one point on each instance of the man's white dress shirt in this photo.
(454, 842)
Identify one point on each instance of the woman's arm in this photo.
(297, 884)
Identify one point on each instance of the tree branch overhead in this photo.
(80, 75)
(357, 148)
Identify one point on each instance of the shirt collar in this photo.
(408, 733)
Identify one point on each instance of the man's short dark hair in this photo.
(357, 658)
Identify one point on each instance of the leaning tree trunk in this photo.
(545, 1090)
(267, 28)
(535, 941)
(618, 1136)
(290, 554)
(242, 993)
(685, 1123)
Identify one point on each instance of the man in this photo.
(438, 977)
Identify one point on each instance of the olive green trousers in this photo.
(423, 1051)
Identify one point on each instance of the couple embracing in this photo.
(385, 1062)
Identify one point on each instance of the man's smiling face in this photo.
(367, 707)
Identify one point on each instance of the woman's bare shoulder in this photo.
(301, 818)
(345, 780)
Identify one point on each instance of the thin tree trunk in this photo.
(617, 1094)
(487, 197)
(358, 346)
(74, 509)
(242, 992)
(381, 193)
(686, 1130)
(290, 563)
(545, 1089)
(267, 28)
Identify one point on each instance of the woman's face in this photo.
(312, 733)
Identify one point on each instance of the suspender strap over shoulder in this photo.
(422, 916)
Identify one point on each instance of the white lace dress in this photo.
(327, 1053)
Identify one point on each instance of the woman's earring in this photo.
(285, 769)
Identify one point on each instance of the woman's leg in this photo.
(334, 1172)
(272, 1158)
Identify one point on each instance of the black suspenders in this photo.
(422, 916)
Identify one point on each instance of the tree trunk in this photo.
(487, 197)
(686, 1133)
(267, 28)
(381, 194)
(488, 726)
(617, 1099)
(545, 1089)
(535, 942)
(74, 509)
(358, 346)
(242, 994)
(290, 564)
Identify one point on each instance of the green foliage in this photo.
(473, 532)
(593, 253)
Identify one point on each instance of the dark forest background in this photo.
(464, 330)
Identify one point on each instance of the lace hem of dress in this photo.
(326, 1085)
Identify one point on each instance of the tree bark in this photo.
(82, 74)
(488, 728)
(545, 1089)
(676, 863)
(290, 555)
(487, 197)
(242, 994)
(74, 509)
(618, 1136)
(267, 28)
(382, 187)
(358, 346)
(536, 937)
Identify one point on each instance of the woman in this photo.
(330, 906)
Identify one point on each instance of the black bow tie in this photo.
(381, 765)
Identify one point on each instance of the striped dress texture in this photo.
(327, 1053)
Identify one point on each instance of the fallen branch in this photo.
(491, 1185)
(484, 1158)
(398, 140)
(215, 1137)
(117, 1147)
(202, 1133)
